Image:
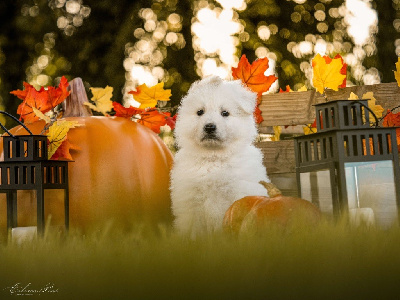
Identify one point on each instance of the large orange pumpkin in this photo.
(121, 172)
(255, 212)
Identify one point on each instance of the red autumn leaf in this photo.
(152, 119)
(287, 90)
(253, 75)
(22, 94)
(257, 115)
(314, 124)
(43, 100)
(171, 121)
(343, 71)
(59, 94)
(393, 120)
(126, 112)
(31, 99)
(63, 151)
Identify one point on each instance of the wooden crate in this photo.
(296, 108)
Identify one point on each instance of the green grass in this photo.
(326, 262)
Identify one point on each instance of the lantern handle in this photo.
(15, 119)
(370, 110)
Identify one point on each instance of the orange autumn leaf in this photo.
(252, 75)
(42, 100)
(152, 119)
(63, 151)
(126, 112)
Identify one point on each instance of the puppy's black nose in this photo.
(210, 128)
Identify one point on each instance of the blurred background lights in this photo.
(306, 47)
(233, 4)
(73, 12)
(217, 32)
(264, 32)
(319, 15)
(72, 7)
(361, 20)
(144, 58)
(214, 39)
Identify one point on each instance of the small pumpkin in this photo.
(121, 172)
(254, 212)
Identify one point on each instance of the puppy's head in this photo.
(216, 114)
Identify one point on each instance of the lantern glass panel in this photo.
(371, 192)
(316, 188)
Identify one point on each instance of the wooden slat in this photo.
(296, 108)
(287, 108)
(386, 94)
(278, 156)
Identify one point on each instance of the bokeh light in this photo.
(361, 19)
(144, 58)
(72, 13)
(207, 36)
(216, 33)
(357, 21)
(46, 63)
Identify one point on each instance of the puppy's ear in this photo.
(246, 98)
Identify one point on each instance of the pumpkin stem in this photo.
(73, 105)
(272, 189)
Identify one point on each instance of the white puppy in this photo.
(216, 163)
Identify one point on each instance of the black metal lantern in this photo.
(349, 167)
(26, 167)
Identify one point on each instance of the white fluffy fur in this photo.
(210, 174)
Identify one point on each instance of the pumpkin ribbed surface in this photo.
(254, 212)
(121, 172)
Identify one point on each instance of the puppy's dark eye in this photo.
(225, 113)
(200, 112)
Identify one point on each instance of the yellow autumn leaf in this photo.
(277, 133)
(102, 99)
(149, 96)
(353, 96)
(41, 115)
(377, 109)
(397, 72)
(309, 129)
(327, 75)
(58, 133)
(302, 89)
